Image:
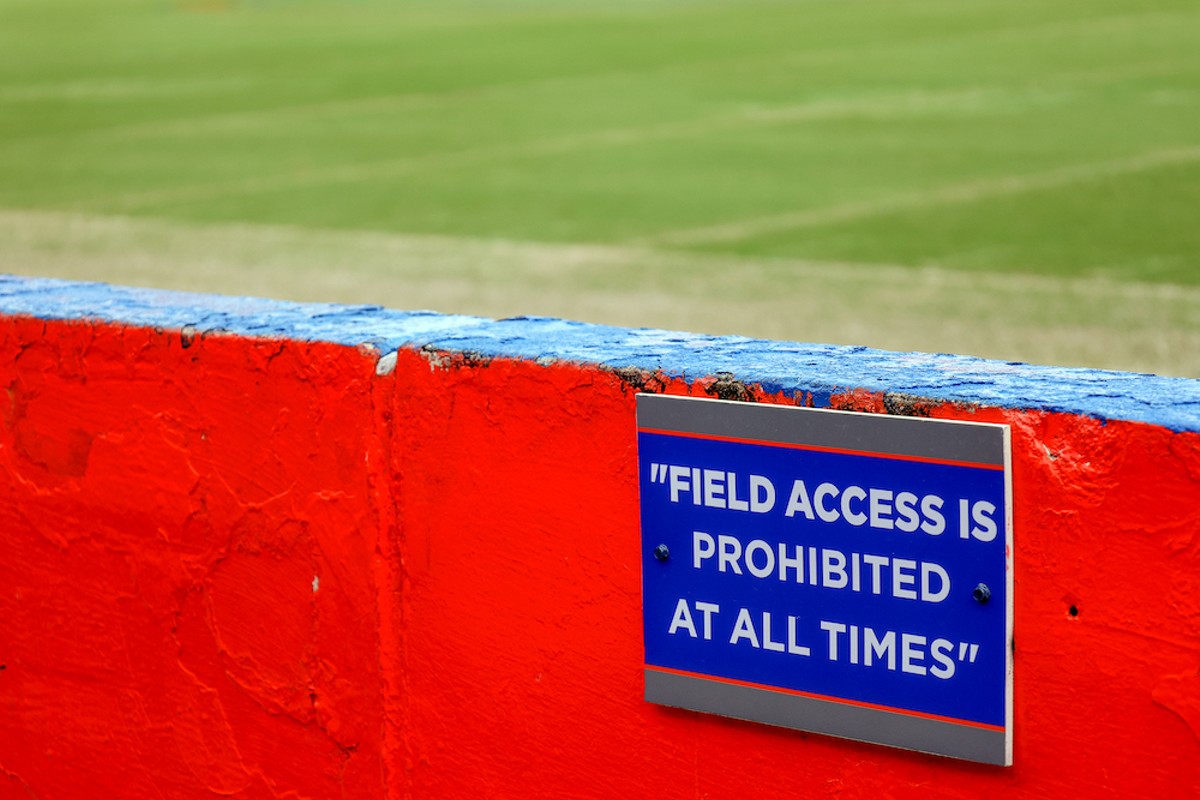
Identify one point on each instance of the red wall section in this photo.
(522, 623)
(474, 628)
(164, 513)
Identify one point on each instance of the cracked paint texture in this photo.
(239, 563)
(164, 514)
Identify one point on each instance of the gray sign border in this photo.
(829, 717)
(914, 437)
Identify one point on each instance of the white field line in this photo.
(252, 119)
(1041, 92)
(967, 100)
(952, 194)
(92, 89)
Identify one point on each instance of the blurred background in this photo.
(1016, 180)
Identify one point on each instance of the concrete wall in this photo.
(256, 549)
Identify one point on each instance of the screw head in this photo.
(662, 552)
(981, 593)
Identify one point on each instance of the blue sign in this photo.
(834, 572)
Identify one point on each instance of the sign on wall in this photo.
(834, 572)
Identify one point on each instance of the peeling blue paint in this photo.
(789, 367)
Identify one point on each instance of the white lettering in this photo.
(714, 488)
(762, 494)
(824, 566)
(730, 551)
(875, 647)
(934, 523)
(759, 546)
(901, 579)
(799, 501)
(909, 520)
(703, 547)
(823, 491)
(855, 518)
(876, 562)
(928, 568)
(834, 629)
(796, 563)
(940, 650)
(794, 648)
(834, 572)
(766, 640)
(912, 652)
(734, 503)
(881, 509)
(985, 525)
(707, 609)
(679, 481)
(682, 619)
(744, 629)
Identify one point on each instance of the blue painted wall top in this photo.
(789, 367)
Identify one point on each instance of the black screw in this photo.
(662, 552)
(981, 593)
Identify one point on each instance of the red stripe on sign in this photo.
(813, 696)
(820, 449)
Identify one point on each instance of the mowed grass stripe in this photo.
(954, 194)
(1119, 325)
(901, 104)
(1034, 93)
(191, 122)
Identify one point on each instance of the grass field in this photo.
(1017, 180)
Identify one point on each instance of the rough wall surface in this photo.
(245, 556)
(187, 603)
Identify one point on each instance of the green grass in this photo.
(1049, 141)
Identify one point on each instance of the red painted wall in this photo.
(164, 513)
(476, 628)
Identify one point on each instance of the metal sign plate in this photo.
(842, 573)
